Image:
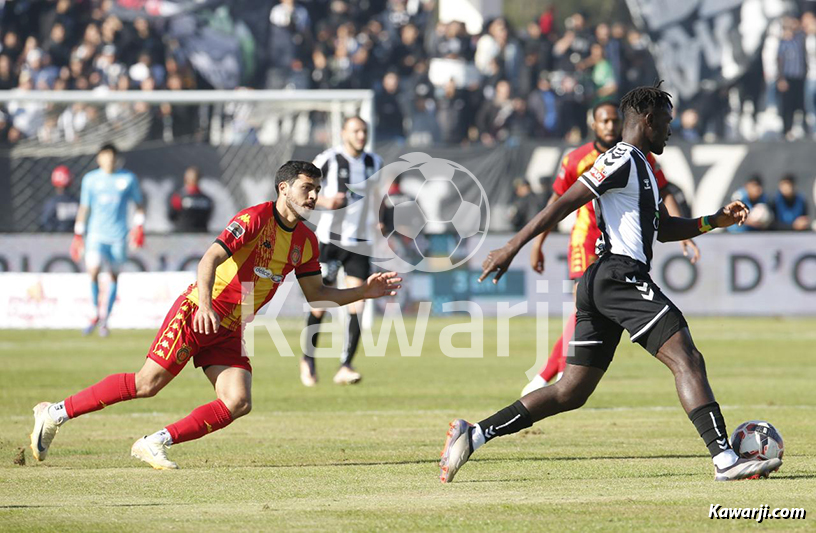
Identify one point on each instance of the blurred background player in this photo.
(606, 125)
(60, 211)
(343, 165)
(261, 245)
(190, 209)
(101, 229)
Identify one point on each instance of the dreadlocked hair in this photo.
(642, 100)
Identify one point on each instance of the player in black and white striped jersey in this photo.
(344, 165)
(617, 293)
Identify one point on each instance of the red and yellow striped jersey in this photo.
(585, 231)
(262, 251)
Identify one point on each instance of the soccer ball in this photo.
(757, 439)
(439, 197)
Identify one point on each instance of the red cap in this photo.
(61, 176)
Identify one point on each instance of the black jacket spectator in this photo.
(190, 209)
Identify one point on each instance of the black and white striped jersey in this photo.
(339, 170)
(626, 203)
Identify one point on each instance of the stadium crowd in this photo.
(435, 82)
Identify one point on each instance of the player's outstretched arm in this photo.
(376, 286)
(499, 260)
(674, 210)
(678, 228)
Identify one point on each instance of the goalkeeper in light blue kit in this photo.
(101, 229)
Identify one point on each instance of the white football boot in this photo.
(44, 430)
(747, 469)
(307, 374)
(347, 376)
(457, 450)
(152, 452)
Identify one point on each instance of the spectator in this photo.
(11, 45)
(573, 47)
(424, 127)
(60, 210)
(389, 113)
(572, 109)
(452, 42)
(809, 26)
(26, 117)
(288, 39)
(603, 77)
(408, 52)
(497, 48)
(612, 47)
(543, 105)
(452, 115)
(537, 58)
(179, 121)
(7, 80)
(56, 47)
(525, 205)
(753, 196)
(790, 206)
(792, 71)
(190, 209)
(521, 124)
(493, 116)
(689, 124)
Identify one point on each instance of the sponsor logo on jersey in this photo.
(277, 278)
(235, 229)
(263, 272)
(597, 173)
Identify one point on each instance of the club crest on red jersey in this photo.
(295, 255)
(182, 354)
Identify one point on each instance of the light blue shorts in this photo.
(97, 253)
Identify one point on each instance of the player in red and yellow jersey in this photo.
(237, 276)
(606, 125)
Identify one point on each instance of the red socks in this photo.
(558, 357)
(204, 419)
(113, 389)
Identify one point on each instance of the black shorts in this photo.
(332, 256)
(617, 293)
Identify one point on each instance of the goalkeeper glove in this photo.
(137, 233)
(77, 247)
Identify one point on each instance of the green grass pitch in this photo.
(365, 457)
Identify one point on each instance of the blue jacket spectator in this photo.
(753, 196)
(790, 207)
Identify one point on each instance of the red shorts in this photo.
(580, 257)
(176, 342)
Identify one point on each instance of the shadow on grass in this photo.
(56, 506)
(485, 460)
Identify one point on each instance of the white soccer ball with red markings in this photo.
(757, 439)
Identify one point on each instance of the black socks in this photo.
(509, 420)
(710, 425)
(352, 338)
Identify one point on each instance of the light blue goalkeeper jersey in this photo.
(107, 196)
